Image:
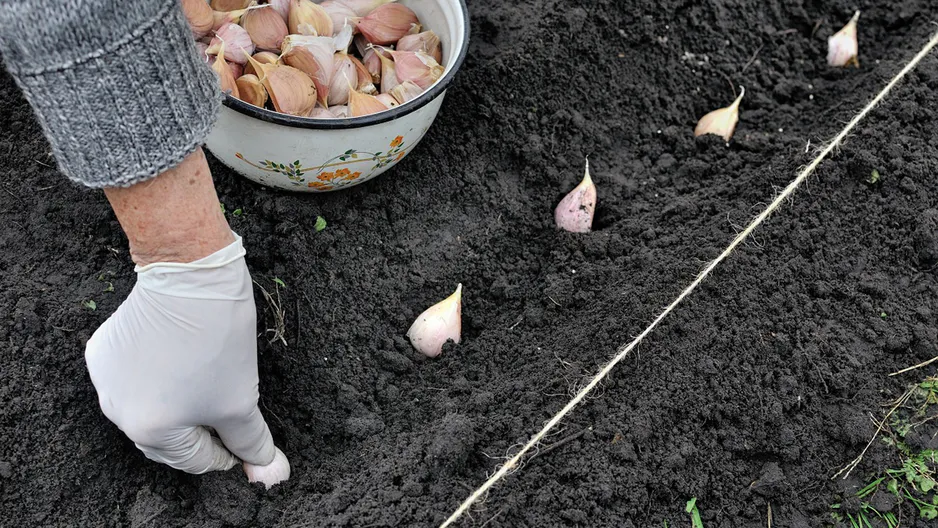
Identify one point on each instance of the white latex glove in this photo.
(180, 355)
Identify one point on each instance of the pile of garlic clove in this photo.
(327, 60)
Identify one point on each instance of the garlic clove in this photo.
(417, 67)
(237, 70)
(308, 18)
(339, 111)
(360, 104)
(313, 56)
(273, 473)
(373, 64)
(364, 7)
(343, 38)
(237, 42)
(388, 73)
(575, 212)
(199, 15)
(230, 5)
(220, 18)
(387, 24)
(344, 78)
(387, 100)
(201, 47)
(265, 26)
(406, 91)
(365, 82)
(225, 75)
(251, 90)
(427, 42)
(263, 57)
(282, 7)
(842, 47)
(322, 113)
(721, 122)
(340, 14)
(290, 90)
(438, 324)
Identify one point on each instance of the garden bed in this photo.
(754, 392)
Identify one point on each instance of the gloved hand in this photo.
(180, 355)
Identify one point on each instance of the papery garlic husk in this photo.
(427, 42)
(251, 90)
(263, 57)
(575, 212)
(230, 5)
(282, 7)
(387, 24)
(291, 91)
(265, 26)
(225, 75)
(360, 104)
(363, 7)
(406, 91)
(388, 73)
(238, 43)
(308, 18)
(842, 47)
(344, 78)
(340, 14)
(313, 56)
(201, 47)
(440, 323)
(273, 473)
(236, 69)
(199, 15)
(220, 18)
(343, 38)
(387, 100)
(721, 122)
(365, 82)
(417, 67)
(339, 111)
(322, 113)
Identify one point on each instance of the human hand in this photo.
(179, 356)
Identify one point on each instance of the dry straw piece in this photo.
(515, 461)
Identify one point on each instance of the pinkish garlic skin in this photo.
(274, 473)
(437, 325)
(575, 212)
(236, 39)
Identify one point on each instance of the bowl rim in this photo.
(357, 122)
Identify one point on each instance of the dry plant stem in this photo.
(174, 217)
(624, 351)
(879, 427)
(913, 367)
(276, 307)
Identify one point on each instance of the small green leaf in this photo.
(320, 224)
(874, 177)
(222, 207)
(893, 487)
(690, 505)
(90, 304)
(237, 212)
(926, 485)
(109, 288)
(280, 282)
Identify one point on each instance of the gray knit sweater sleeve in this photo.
(117, 85)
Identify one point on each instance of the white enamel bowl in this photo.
(321, 155)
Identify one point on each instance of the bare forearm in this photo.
(174, 217)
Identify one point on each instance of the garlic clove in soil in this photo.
(721, 122)
(251, 90)
(344, 78)
(405, 92)
(265, 27)
(291, 91)
(274, 473)
(427, 42)
(416, 67)
(575, 212)
(230, 5)
(225, 75)
(238, 43)
(308, 18)
(363, 7)
(440, 323)
(263, 57)
(360, 104)
(387, 24)
(842, 47)
(365, 82)
(199, 15)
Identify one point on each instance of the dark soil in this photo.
(754, 392)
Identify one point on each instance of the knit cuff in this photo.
(130, 110)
